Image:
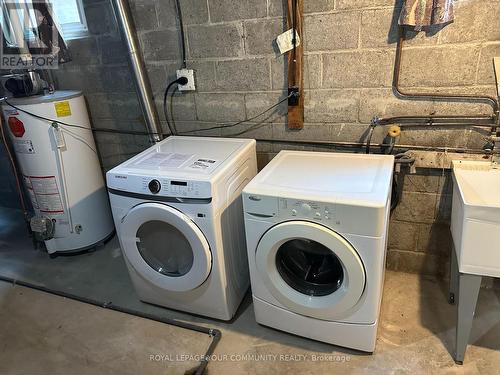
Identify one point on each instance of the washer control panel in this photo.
(306, 209)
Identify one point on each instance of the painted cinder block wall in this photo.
(349, 48)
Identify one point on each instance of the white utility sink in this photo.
(475, 221)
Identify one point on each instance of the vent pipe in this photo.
(126, 24)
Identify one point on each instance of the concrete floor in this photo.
(45, 334)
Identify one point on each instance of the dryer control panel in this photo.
(176, 188)
(158, 186)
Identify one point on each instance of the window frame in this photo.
(69, 31)
(74, 30)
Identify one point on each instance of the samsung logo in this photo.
(122, 177)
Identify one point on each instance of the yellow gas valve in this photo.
(394, 131)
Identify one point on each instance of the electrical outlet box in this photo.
(189, 74)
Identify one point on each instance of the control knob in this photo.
(305, 208)
(154, 186)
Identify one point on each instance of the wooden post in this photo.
(295, 69)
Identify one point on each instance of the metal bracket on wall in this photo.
(295, 67)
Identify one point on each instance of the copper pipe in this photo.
(493, 102)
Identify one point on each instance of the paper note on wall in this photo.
(285, 41)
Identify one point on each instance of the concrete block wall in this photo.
(349, 56)
(419, 237)
(100, 69)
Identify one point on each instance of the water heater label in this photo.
(24, 147)
(11, 112)
(31, 193)
(63, 109)
(47, 195)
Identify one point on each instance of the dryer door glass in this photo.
(309, 267)
(164, 248)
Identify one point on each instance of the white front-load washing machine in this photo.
(316, 226)
(178, 212)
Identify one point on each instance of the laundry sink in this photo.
(475, 221)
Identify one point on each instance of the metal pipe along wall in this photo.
(493, 102)
(124, 18)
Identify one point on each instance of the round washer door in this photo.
(310, 269)
(166, 247)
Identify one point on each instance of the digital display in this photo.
(178, 183)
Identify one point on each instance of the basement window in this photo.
(71, 17)
(68, 15)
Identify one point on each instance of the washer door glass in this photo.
(310, 269)
(152, 238)
(165, 247)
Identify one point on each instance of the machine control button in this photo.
(305, 208)
(154, 186)
(318, 214)
(284, 204)
(294, 212)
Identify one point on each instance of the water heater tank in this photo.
(61, 169)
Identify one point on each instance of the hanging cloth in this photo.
(421, 13)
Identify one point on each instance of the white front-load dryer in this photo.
(178, 212)
(316, 227)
